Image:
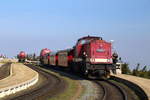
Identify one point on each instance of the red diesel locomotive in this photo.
(91, 56)
(21, 56)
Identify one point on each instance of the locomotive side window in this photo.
(84, 42)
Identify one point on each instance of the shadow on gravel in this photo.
(64, 72)
(67, 73)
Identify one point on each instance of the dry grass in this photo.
(72, 92)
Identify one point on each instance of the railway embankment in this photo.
(20, 78)
(4, 70)
(1, 64)
(141, 86)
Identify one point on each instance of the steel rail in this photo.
(105, 91)
(122, 91)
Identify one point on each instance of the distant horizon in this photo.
(31, 25)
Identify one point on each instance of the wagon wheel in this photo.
(107, 74)
(74, 68)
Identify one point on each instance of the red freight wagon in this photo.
(46, 58)
(53, 59)
(65, 57)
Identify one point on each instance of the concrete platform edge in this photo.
(16, 88)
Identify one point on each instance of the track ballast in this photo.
(48, 87)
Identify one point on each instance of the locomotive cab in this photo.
(94, 56)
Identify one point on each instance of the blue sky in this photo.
(31, 25)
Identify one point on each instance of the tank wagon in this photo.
(44, 55)
(21, 56)
(91, 56)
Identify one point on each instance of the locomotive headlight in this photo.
(92, 60)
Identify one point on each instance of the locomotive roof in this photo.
(22, 52)
(53, 53)
(65, 50)
(90, 37)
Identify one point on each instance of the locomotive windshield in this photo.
(86, 40)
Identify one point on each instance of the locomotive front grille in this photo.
(100, 66)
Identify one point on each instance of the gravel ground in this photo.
(91, 91)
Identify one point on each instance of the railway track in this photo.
(111, 90)
(48, 86)
(51, 86)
